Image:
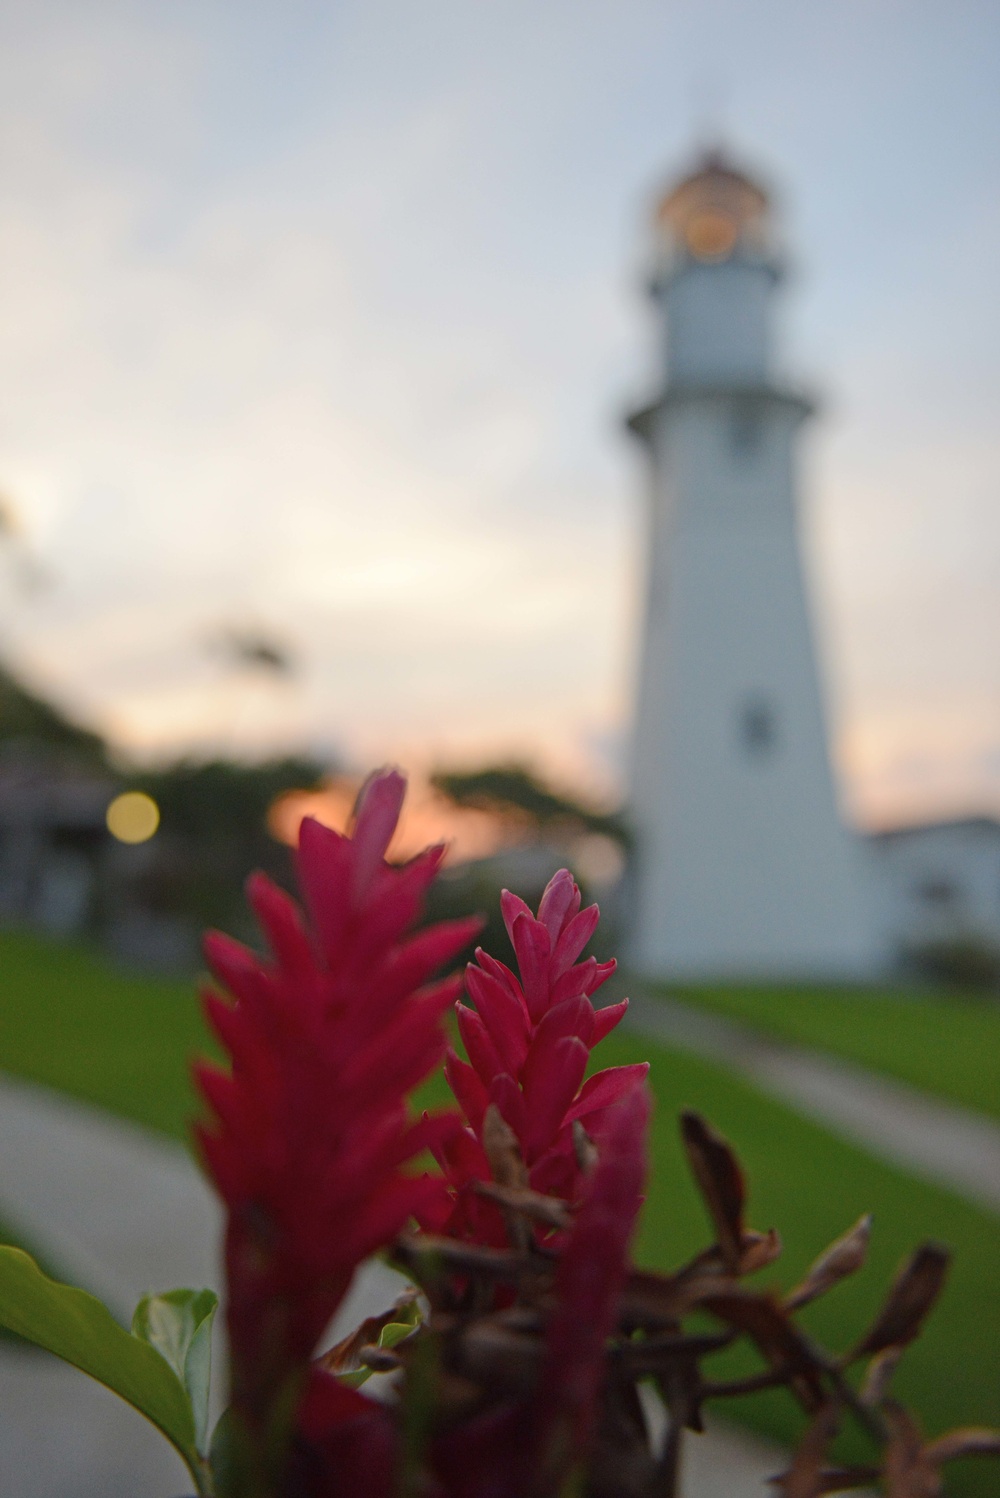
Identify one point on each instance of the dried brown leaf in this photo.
(758, 1250)
(720, 1180)
(548, 1210)
(502, 1362)
(778, 1338)
(838, 1479)
(520, 1318)
(908, 1472)
(655, 1355)
(878, 1375)
(913, 1293)
(650, 1301)
(709, 1264)
(380, 1359)
(658, 1301)
(843, 1257)
(971, 1440)
(804, 1478)
(847, 1479)
(427, 1255)
(503, 1150)
(345, 1356)
(584, 1148)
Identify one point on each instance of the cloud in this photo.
(231, 423)
(323, 322)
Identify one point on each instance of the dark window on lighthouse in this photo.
(758, 727)
(744, 434)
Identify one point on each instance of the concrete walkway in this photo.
(935, 1140)
(118, 1211)
(115, 1207)
(121, 1212)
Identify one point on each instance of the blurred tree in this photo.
(213, 834)
(966, 961)
(248, 648)
(213, 821)
(29, 723)
(515, 790)
(555, 823)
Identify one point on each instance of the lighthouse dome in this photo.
(714, 212)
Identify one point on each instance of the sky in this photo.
(321, 321)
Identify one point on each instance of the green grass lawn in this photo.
(70, 1021)
(943, 1045)
(811, 1186)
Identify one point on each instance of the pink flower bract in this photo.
(310, 1129)
(528, 1041)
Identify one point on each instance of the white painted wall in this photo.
(719, 320)
(940, 881)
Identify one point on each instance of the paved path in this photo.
(936, 1140)
(121, 1211)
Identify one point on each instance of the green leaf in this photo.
(178, 1324)
(78, 1328)
(390, 1334)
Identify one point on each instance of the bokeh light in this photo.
(133, 817)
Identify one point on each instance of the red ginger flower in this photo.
(530, 1449)
(310, 1129)
(591, 1274)
(528, 1043)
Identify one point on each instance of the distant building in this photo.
(70, 868)
(55, 785)
(940, 886)
(742, 867)
(53, 839)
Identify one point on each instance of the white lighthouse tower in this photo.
(742, 866)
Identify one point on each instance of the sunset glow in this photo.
(427, 818)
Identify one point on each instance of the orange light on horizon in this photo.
(427, 818)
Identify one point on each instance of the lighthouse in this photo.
(742, 866)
